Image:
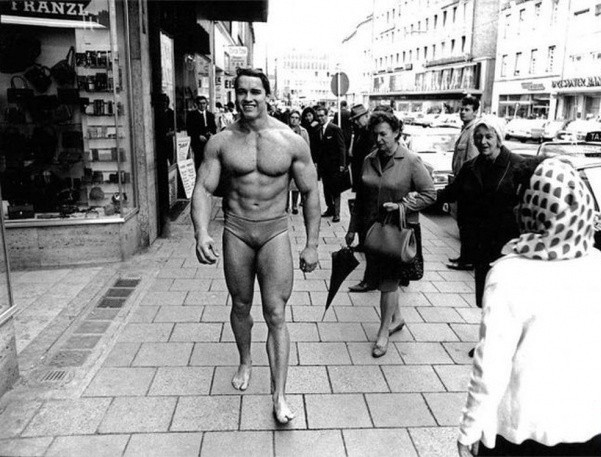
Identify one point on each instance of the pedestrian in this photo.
(465, 150)
(363, 144)
(389, 174)
(485, 189)
(332, 161)
(346, 125)
(200, 125)
(258, 155)
(294, 120)
(534, 387)
(310, 124)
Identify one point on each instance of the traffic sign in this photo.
(344, 83)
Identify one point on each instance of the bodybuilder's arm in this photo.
(207, 180)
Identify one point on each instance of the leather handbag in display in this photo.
(16, 94)
(62, 113)
(24, 211)
(63, 72)
(393, 241)
(39, 77)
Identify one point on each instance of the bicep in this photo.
(303, 170)
(209, 172)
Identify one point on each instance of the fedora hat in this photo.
(358, 111)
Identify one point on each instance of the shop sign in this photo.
(591, 81)
(593, 136)
(238, 57)
(60, 13)
(188, 174)
(533, 86)
(183, 147)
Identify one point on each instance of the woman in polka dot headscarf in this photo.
(534, 388)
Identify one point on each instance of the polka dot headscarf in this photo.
(556, 215)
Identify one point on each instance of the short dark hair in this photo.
(343, 104)
(253, 73)
(321, 108)
(295, 111)
(471, 100)
(230, 105)
(201, 97)
(218, 105)
(378, 117)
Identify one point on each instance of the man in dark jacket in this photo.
(332, 160)
(200, 125)
(347, 125)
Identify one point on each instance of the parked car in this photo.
(425, 120)
(435, 146)
(525, 129)
(577, 130)
(448, 120)
(551, 128)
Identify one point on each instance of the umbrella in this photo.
(343, 262)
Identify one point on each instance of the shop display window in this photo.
(65, 136)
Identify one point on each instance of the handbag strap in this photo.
(71, 57)
(402, 216)
(23, 81)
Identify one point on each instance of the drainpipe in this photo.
(212, 67)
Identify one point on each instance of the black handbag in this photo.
(14, 115)
(42, 106)
(18, 49)
(39, 77)
(16, 94)
(344, 180)
(63, 72)
(43, 144)
(393, 241)
(61, 114)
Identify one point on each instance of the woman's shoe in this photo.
(396, 327)
(379, 351)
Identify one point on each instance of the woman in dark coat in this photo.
(310, 124)
(485, 190)
(388, 175)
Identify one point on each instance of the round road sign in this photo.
(344, 83)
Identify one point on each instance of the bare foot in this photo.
(281, 411)
(242, 377)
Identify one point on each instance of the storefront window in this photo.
(64, 121)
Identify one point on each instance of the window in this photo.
(435, 20)
(521, 19)
(518, 64)
(398, 56)
(533, 59)
(442, 49)
(551, 59)
(417, 54)
(404, 56)
(419, 26)
(454, 14)
(504, 66)
(537, 11)
(554, 10)
(425, 52)
(434, 51)
(452, 47)
(410, 56)
(463, 44)
(427, 24)
(444, 18)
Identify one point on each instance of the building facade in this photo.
(428, 54)
(356, 59)
(303, 77)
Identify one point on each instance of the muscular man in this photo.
(258, 156)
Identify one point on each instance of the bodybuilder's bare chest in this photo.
(256, 154)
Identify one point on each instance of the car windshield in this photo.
(592, 176)
(433, 142)
(572, 149)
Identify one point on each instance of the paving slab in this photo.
(467, 332)
(447, 300)
(471, 315)
(164, 444)
(144, 314)
(446, 407)
(154, 298)
(15, 416)
(120, 382)
(260, 382)
(459, 352)
(357, 379)
(309, 443)
(122, 354)
(412, 378)
(356, 314)
(138, 415)
(179, 314)
(323, 354)
(378, 442)
(308, 379)
(304, 331)
(435, 314)
(97, 446)
(25, 447)
(237, 444)
(337, 331)
(196, 332)
(371, 330)
(163, 354)
(202, 413)
(341, 299)
(257, 413)
(181, 381)
(432, 332)
(216, 313)
(302, 313)
(140, 333)
(399, 410)
(423, 353)
(191, 284)
(68, 417)
(337, 411)
(259, 333)
(212, 298)
(435, 441)
(456, 378)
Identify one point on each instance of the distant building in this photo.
(428, 54)
(303, 77)
(356, 61)
(529, 58)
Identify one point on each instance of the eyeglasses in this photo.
(294, 117)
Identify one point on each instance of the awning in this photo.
(234, 10)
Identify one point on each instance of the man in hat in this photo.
(257, 155)
(363, 144)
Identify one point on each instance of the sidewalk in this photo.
(139, 355)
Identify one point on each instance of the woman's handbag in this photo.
(63, 72)
(386, 239)
(16, 94)
(343, 180)
(39, 77)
